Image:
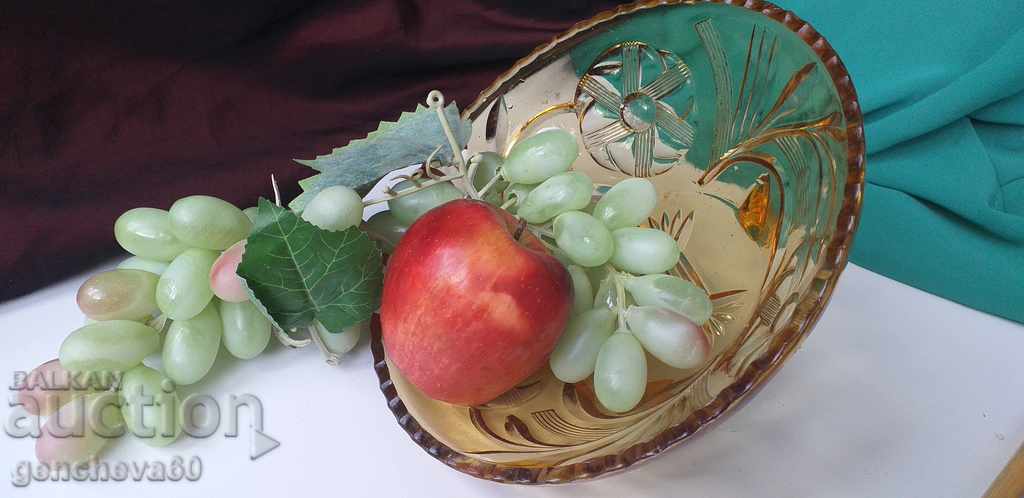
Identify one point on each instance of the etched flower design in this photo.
(625, 103)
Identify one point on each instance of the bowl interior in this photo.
(746, 122)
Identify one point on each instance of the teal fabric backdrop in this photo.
(941, 84)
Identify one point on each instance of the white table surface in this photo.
(896, 393)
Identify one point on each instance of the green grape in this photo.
(246, 330)
(669, 336)
(485, 172)
(137, 263)
(541, 156)
(341, 342)
(409, 208)
(97, 417)
(149, 405)
(334, 208)
(628, 203)
(250, 212)
(563, 192)
(582, 292)
(114, 345)
(583, 238)
(184, 288)
(191, 346)
(118, 295)
(146, 233)
(575, 354)
(620, 375)
(517, 192)
(644, 251)
(208, 222)
(672, 293)
(386, 229)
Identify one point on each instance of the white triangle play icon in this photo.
(261, 444)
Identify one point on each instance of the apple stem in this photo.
(520, 229)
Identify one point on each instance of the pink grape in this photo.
(224, 280)
(80, 429)
(49, 386)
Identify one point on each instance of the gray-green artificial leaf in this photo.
(297, 273)
(393, 145)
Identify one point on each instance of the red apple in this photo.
(473, 303)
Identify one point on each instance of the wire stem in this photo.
(330, 357)
(288, 341)
(491, 183)
(277, 191)
(543, 230)
(412, 190)
(435, 99)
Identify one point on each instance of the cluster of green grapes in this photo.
(624, 302)
(636, 305)
(177, 295)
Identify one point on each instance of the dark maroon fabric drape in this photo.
(105, 106)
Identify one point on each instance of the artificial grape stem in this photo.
(412, 190)
(287, 340)
(474, 164)
(160, 322)
(547, 244)
(277, 191)
(435, 99)
(331, 358)
(489, 184)
(427, 163)
(620, 298)
(543, 230)
(509, 203)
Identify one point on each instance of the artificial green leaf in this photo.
(393, 145)
(297, 273)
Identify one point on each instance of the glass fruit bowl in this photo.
(748, 124)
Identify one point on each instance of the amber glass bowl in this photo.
(747, 123)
